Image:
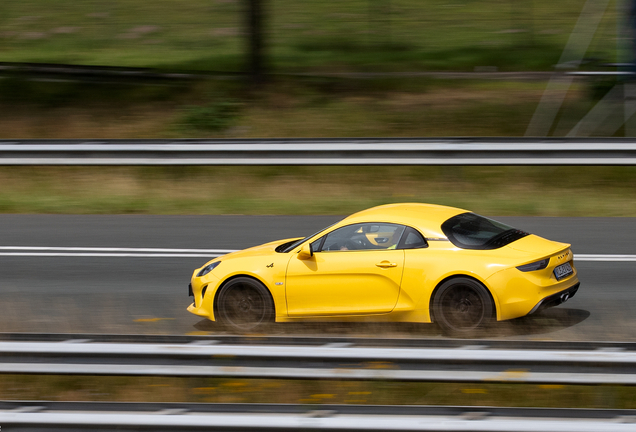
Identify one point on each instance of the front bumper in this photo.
(555, 299)
(200, 311)
(202, 304)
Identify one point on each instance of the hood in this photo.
(264, 249)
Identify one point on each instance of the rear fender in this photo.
(493, 298)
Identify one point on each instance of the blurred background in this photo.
(281, 68)
(139, 69)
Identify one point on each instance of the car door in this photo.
(354, 270)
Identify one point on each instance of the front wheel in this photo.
(244, 304)
(462, 306)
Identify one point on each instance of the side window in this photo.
(366, 236)
(412, 239)
(317, 244)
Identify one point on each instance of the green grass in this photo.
(529, 191)
(311, 392)
(298, 107)
(329, 35)
(316, 37)
(311, 107)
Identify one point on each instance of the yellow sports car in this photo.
(398, 262)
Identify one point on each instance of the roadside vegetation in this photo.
(310, 107)
(495, 191)
(318, 55)
(301, 107)
(326, 36)
(312, 392)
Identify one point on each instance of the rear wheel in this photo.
(462, 306)
(245, 304)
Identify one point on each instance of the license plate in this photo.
(562, 271)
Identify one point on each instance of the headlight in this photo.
(537, 265)
(208, 268)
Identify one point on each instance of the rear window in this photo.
(471, 231)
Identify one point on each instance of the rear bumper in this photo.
(555, 299)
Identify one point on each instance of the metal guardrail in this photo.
(331, 360)
(98, 74)
(147, 76)
(390, 151)
(319, 341)
(37, 415)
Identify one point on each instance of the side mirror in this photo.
(305, 252)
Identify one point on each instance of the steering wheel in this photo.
(357, 243)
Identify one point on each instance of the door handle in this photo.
(386, 264)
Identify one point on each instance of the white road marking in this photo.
(613, 258)
(99, 249)
(48, 251)
(90, 254)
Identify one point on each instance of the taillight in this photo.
(537, 265)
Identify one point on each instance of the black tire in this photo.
(462, 307)
(244, 304)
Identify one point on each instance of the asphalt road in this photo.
(148, 294)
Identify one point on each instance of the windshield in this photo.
(471, 231)
(288, 247)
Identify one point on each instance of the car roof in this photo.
(427, 217)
